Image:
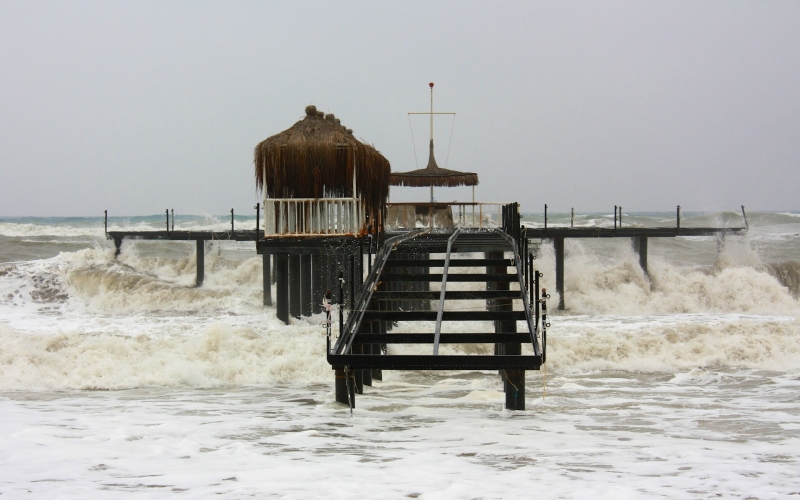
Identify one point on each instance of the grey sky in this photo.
(139, 106)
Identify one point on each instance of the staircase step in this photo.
(446, 316)
(453, 263)
(428, 362)
(460, 278)
(444, 338)
(454, 295)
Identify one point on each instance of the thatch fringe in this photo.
(432, 175)
(445, 180)
(315, 157)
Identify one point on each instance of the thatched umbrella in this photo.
(316, 158)
(432, 175)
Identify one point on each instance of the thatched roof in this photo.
(314, 158)
(432, 175)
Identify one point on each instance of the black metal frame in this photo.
(511, 236)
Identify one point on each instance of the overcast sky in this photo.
(139, 106)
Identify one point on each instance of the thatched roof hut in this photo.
(432, 175)
(316, 157)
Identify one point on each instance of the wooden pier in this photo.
(330, 237)
(377, 279)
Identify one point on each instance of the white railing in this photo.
(313, 216)
(443, 215)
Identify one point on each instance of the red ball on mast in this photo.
(431, 84)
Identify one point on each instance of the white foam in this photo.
(218, 355)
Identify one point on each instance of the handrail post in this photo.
(545, 216)
(744, 215)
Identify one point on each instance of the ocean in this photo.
(119, 377)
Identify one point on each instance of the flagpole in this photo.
(431, 85)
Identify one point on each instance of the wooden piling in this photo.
(317, 290)
(358, 375)
(366, 375)
(266, 276)
(294, 285)
(558, 243)
(305, 285)
(201, 254)
(282, 286)
(640, 247)
(343, 386)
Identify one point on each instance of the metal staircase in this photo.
(398, 290)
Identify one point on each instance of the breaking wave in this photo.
(88, 320)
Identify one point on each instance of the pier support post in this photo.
(491, 285)
(342, 388)
(317, 291)
(324, 272)
(266, 275)
(201, 255)
(497, 304)
(282, 286)
(359, 374)
(366, 375)
(294, 285)
(640, 247)
(305, 285)
(117, 246)
(377, 327)
(558, 243)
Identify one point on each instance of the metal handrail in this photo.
(346, 337)
(531, 327)
(445, 270)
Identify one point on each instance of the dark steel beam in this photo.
(446, 316)
(428, 362)
(461, 278)
(451, 295)
(453, 262)
(444, 338)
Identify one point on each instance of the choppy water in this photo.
(117, 376)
